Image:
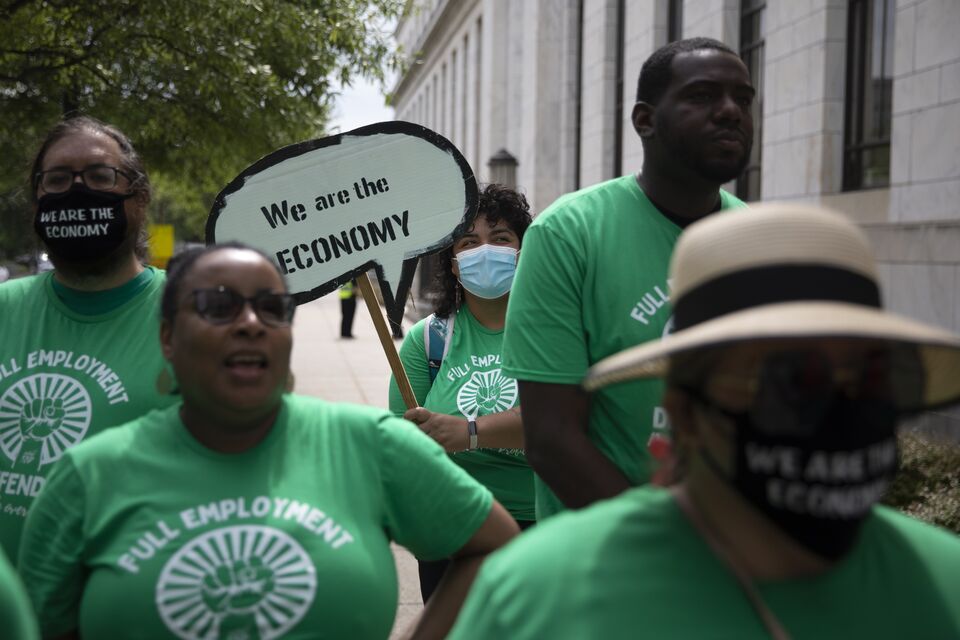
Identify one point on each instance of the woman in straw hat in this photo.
(785, 381)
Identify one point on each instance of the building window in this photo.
(444, 86)
(751, 50)
(866, 137)
(466, 91)
(452, 125)
(674, 20)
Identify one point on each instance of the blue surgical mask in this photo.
(487, 271)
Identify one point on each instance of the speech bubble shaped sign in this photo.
(327, 210)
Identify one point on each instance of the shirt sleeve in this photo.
(544, 337)
(16, 615)
(432, 506)
(50, 560)
(480, 618)
(413, 355)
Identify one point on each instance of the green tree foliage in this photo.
(203, 87)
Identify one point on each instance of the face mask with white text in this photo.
(81, 224)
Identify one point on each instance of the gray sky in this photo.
(358, 105)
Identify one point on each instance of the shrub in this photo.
(928, 484)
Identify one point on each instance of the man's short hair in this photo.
(655, 75)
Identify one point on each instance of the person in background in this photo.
(348, 307)
(246, 511)
(593, 279)
(785, 383)
(452, 359)
(78, 351)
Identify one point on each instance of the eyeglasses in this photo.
(222, 305)
(791, 390)
(99, 177)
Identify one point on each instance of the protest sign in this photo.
(329, 210)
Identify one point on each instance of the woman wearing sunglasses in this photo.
(785, 383)
(246, 511)
(453, 361)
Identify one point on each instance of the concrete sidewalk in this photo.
(350, 371)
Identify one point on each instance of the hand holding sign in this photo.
(329, 210)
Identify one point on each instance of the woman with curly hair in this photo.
(453, 360)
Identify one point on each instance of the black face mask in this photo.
(81, 224)
(820, 487)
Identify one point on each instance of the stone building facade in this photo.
(858, 108)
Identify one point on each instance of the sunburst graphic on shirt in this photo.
(486, 392)
(246, 581)
(42, 416)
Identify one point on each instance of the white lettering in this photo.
(661, 422)
(767, 460)
(313, 518)
(649, 305)
(342, 540)
(310, 518)
(261, 506)
(281, 504)
(189, 519)
(17, 484)
(126, 562)
(297, 511)
(825, 501)
(485, 361)
(227, 508)
(208, 512)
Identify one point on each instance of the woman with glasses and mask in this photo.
(78, 349)
(453, 361)
(246, 511)
(785, 380)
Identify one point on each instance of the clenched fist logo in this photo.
(487, 397)
(231, 594)
(239, 587)
(40, 417)
(486, 392)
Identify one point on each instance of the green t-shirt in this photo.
(633, 567)
(144, 532)
(16, 616)
(592, 281)
(470, 383)
(67, 374)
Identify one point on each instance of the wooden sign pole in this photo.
(386, 340)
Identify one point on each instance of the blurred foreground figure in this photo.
(785, 383)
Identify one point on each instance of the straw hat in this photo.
(780, 271)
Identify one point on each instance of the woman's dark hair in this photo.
(182, 264)
(497, 203)
(131, 160)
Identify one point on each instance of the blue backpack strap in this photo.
(437, 333)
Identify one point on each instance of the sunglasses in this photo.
(792, 390)
(222, 305)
